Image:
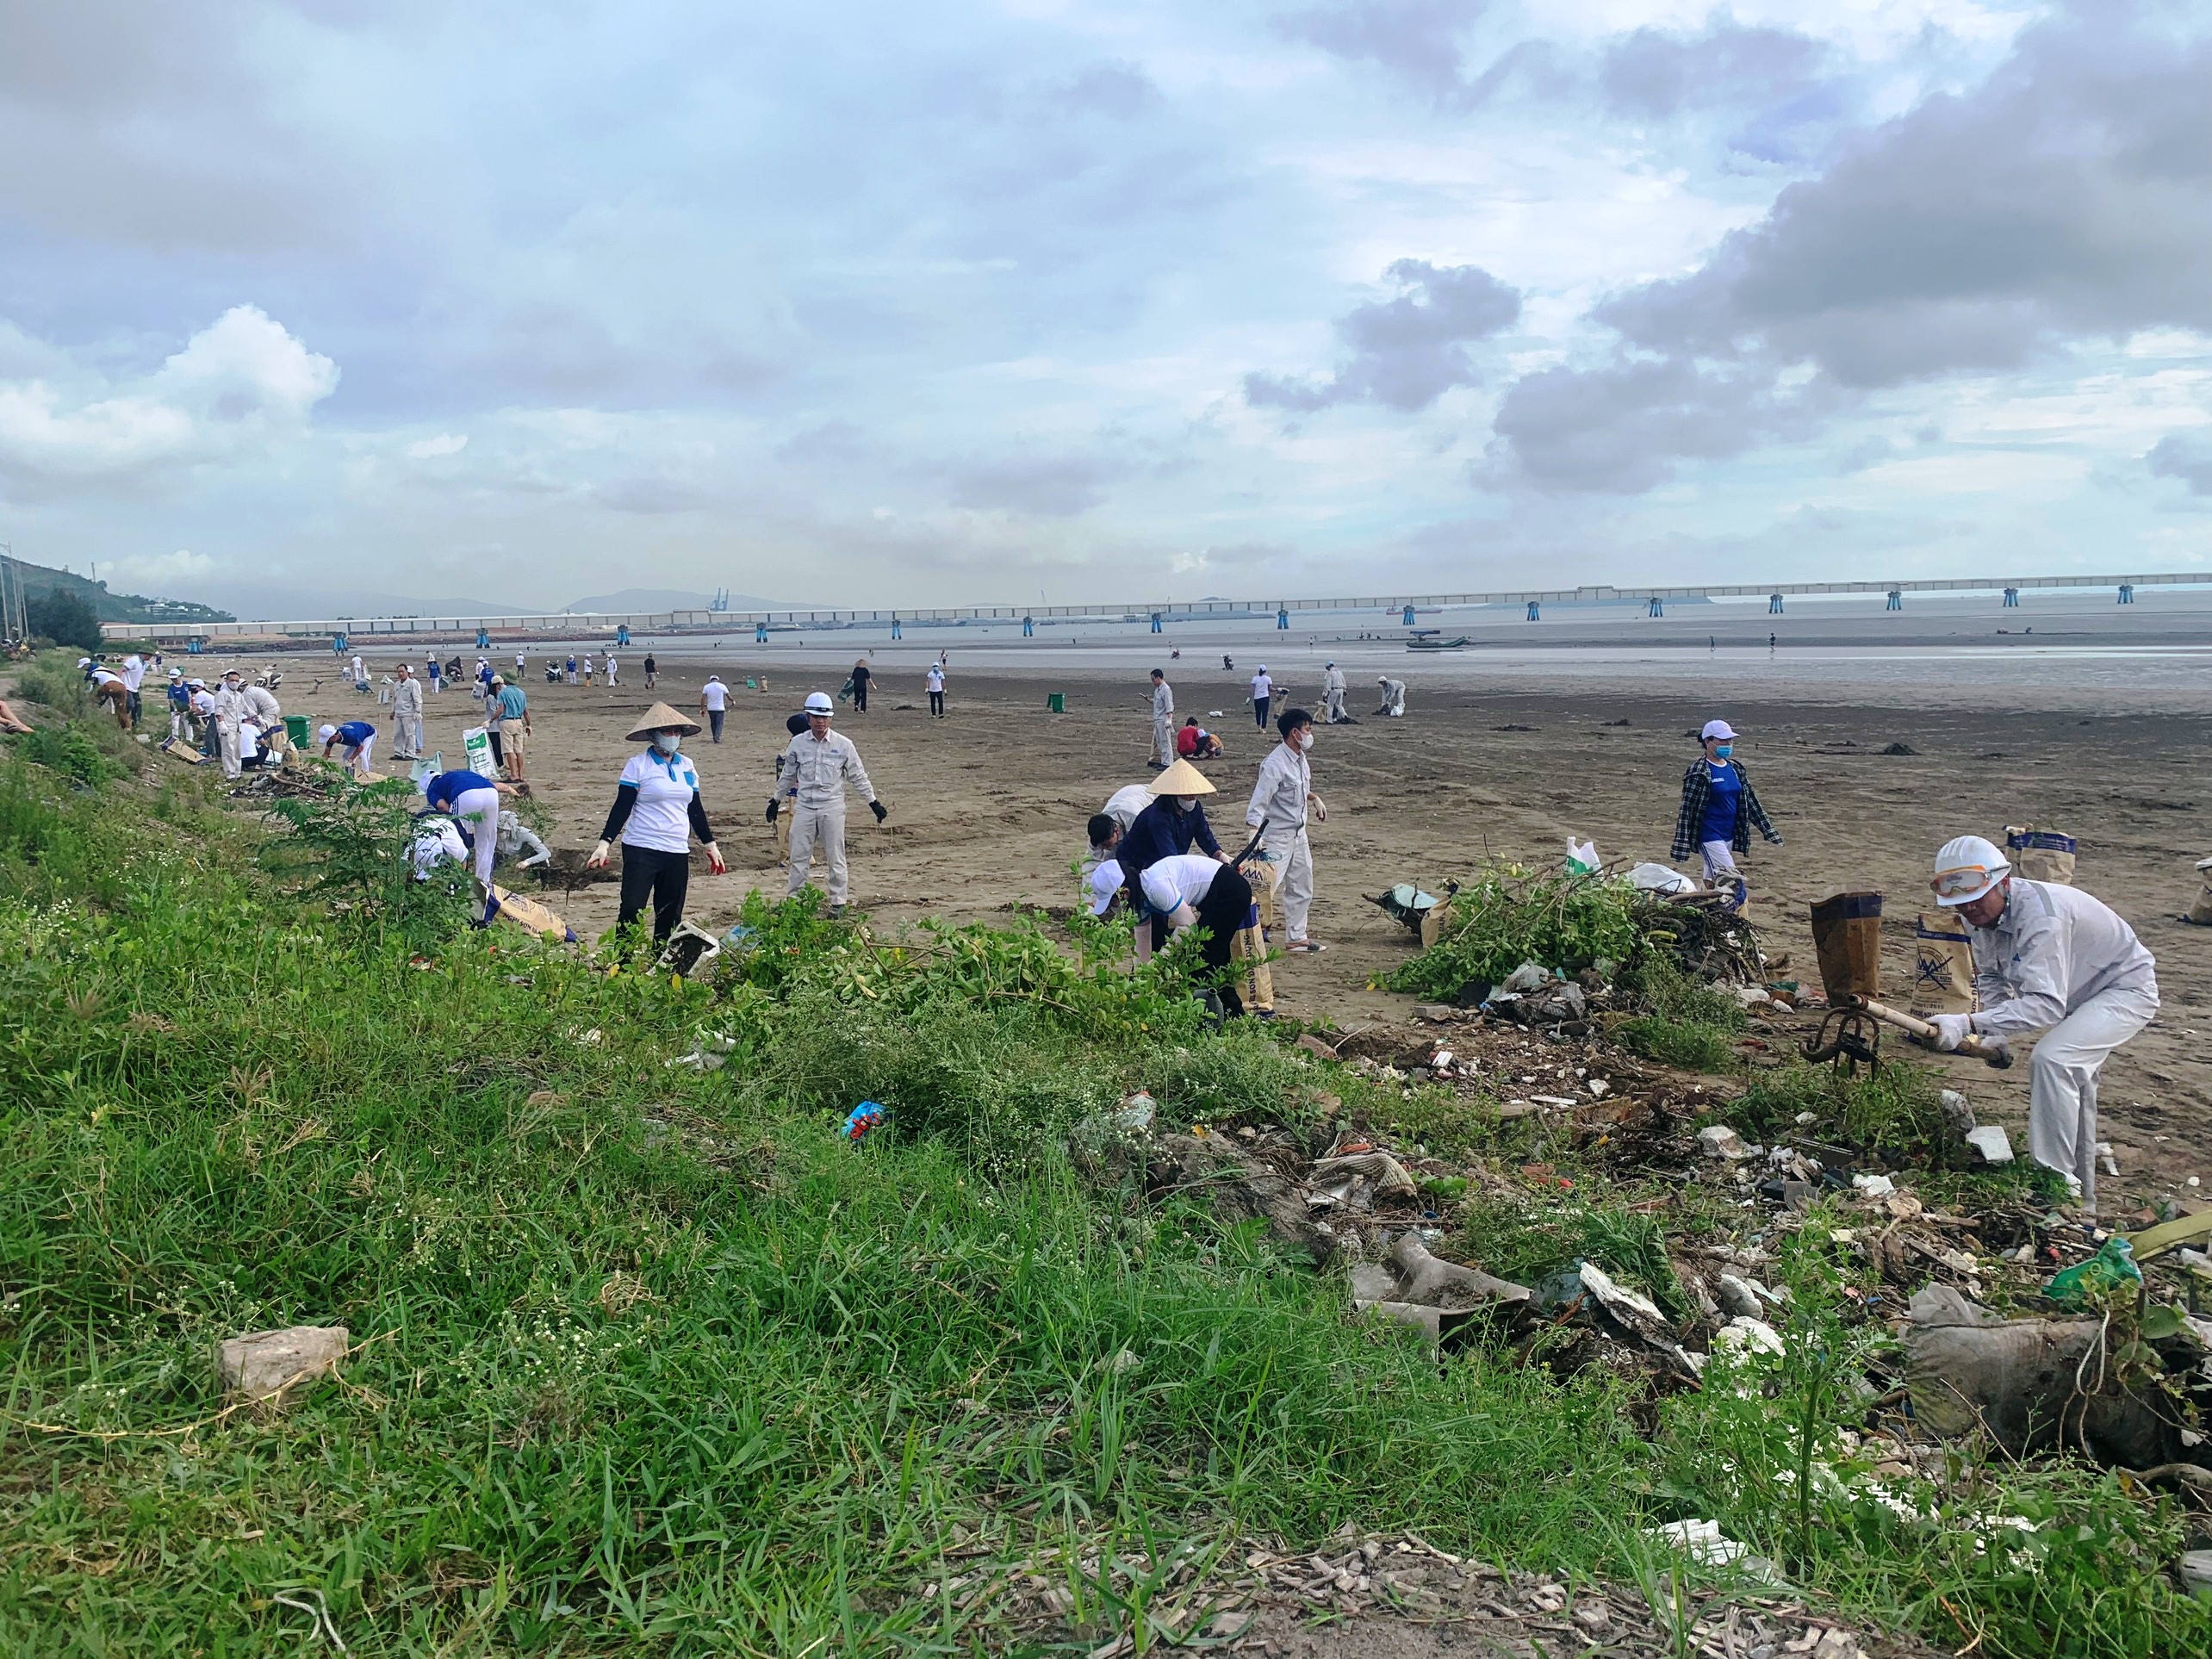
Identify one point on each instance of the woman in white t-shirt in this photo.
(656, 812)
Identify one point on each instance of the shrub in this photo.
(1507, 917)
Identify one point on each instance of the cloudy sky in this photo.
(898, 304)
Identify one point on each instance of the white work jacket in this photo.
(1163, 700)
(2051, 950)
(230, 708)
(407, 698)
(255, 701)
(1279, 799)
(814, 771)
(1331, 681)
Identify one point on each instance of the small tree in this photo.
(65, 617)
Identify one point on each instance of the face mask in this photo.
(1721, 751)
(668, 741)
(1184, 802)
(1306, 739)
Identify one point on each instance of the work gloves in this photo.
(1952, 1029)
(878, 809)
(714, 860)
(774, 807)
(600, 855)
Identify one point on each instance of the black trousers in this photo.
(937, 704)
(1223, 912)
(498, 752)
(664, 878)
(859, 697)
(1259, 712)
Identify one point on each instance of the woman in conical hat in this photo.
(1175, 822)
(656, 812)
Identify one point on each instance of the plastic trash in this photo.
(2114, 1264)
(1660, 878)
(863, 1117)
(1581, 857)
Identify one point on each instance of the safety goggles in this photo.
(1967, 880)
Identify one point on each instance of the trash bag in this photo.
(2040, 854)
(2200, 913)
(1651, 877)
(1582, 857)
(2032, 1384)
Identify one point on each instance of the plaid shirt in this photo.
(1689, 823)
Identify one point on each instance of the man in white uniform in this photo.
(1332, 691)
(133, 677)
(1394, 697)
(1280, 801)
(2053, 960)
(1163, 711)
(260, 709)
(813, 775)
(406, 714)
(229, 710)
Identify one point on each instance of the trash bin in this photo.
(1056, 701)
(295, 730)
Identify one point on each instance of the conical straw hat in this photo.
(661, 717)
(1181, 779)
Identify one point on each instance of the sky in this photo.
(308, 304)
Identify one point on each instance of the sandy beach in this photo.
(1501, 756)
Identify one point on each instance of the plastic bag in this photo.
(1581, 857)
(1660, 878)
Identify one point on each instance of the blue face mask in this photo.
(1721, 751)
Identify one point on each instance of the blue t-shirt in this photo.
(511, 702)
(355, 732)
(1724, 795)
(448, 787)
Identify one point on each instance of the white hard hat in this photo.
(1105, 881)
(326, 732)
(1719, 728)
(1967, 867)
(819, 703)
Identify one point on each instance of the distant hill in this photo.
(672, 599)
(40, 579)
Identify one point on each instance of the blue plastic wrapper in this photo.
(863, 1117)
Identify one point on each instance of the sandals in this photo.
(1305, 947)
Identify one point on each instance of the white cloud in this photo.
(429, 448)
(235, 387)
(161, 573)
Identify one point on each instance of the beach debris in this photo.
(2154, 1242)
(1873, 1187)
(2031, 1384)
(868, 1115)
(266, 1365)
(1718, 1140)
(1660, 878)
(1414, 1288)
(1901, 748)
(1989, 1143)
(1239, 1187)
(2113, 1264)
(2195, 1571)
(1746, 1334)
(1335, 1176)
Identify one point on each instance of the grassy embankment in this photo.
(647, 1360)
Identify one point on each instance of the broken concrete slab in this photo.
(265, 1364)
(1990, 1145)
(1718, 1140)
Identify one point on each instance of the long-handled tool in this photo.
(1847, 941)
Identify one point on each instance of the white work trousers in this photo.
(1333, 708)
(1164, 739)
(410, 736)
(822, 827)
(227, 734)
(1291, 865)
(2062, 1081)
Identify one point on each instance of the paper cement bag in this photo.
(1255, 978)
(1942, 965)
(2202, 913)
(2040, 854)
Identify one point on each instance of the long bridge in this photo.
(1157, 613)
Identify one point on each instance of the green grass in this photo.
(649, 1361)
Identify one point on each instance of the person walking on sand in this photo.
(2047, 958)
(1263, 690)
(611, 678)
(935, 680)
(436, 670)
(714, 703)
(1719, 808)
(406, 714)
(1163, 713)
(817, 765)
(652, 671)
(861, 674)
(657, 813)
(1280, 803)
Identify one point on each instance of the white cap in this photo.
(1263, 667)
(1967, 867)
(326, 732)
(819, 703)
(1105, 881)
(1719, 728)
(83, 661)
(1328, 665)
